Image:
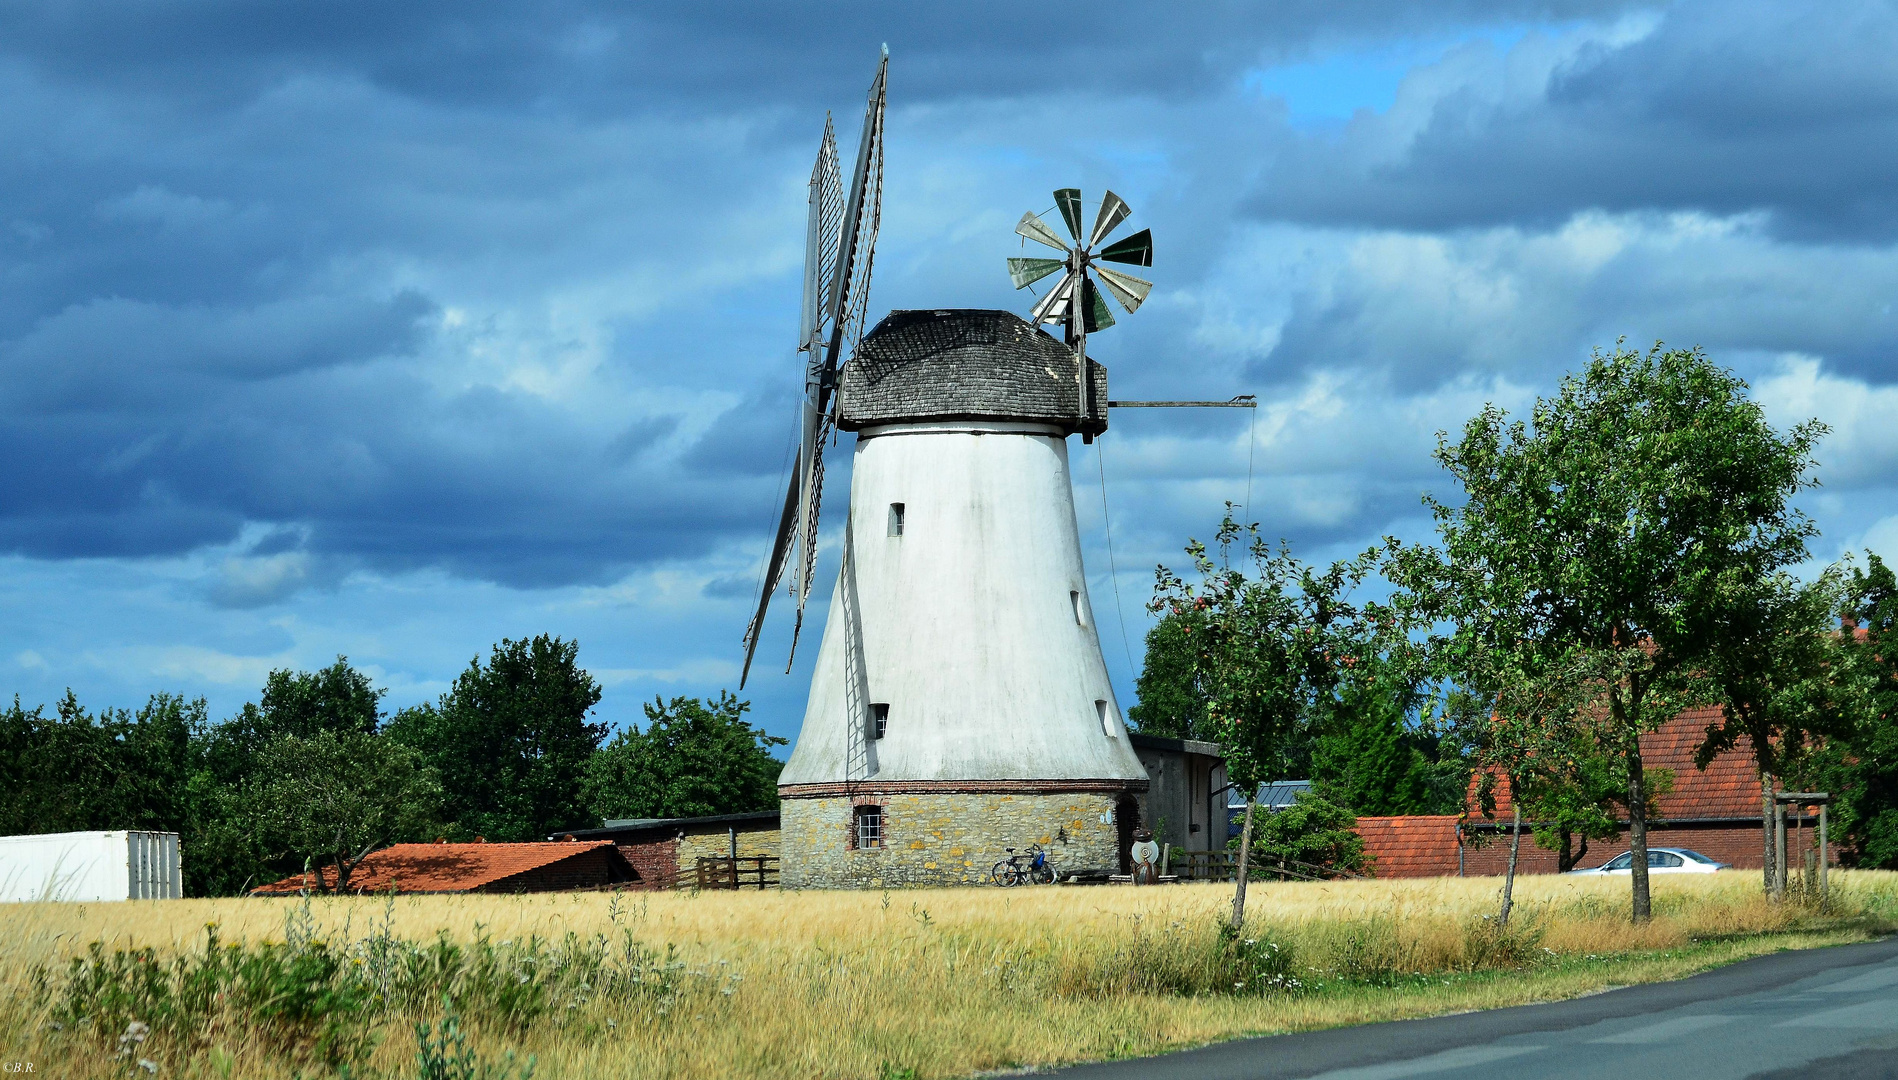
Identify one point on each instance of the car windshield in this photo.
(1619, 862)
(1696, 856)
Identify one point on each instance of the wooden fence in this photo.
(743, 872)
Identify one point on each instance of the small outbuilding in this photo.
(1186, 791)
(664, 852)
(472, 868)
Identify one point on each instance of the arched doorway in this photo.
(1126, 820)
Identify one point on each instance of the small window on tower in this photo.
(896, 519)
(866, 827)
(1107, 719)
(880, 712)
(1080, 610)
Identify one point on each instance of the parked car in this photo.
(1661, 860)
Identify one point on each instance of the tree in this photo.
(223, 854)
(1312, 835)
(1858, 764)
(1170, 702)
(1784, 681)
(1571, 797)
(1600, 542)
(1366, 756)
(1266, 651)
(334, 798)
(691, 760)
(511, 740)
(338, 699)
(114, 769)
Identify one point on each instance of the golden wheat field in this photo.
(922, 983)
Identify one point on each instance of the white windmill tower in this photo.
(960, 704)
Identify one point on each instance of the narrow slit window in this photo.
(896, 519)
(1080, 609)
(866, 827)
(1106, 712)
(880, 713)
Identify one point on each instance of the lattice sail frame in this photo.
(840, 248)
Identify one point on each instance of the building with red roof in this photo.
(1715, 811)
(470, 868)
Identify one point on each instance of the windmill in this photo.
(839, 246)
(1075, 301)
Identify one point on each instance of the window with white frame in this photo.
(866, 827)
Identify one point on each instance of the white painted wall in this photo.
(969, 630)
(119, 865)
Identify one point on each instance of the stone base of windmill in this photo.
(947, 838)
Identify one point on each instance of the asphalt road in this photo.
(1819, 1013)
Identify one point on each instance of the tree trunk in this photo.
(1515, 847)
(1638, 833)
(1771, 863)
(1245, 849)
(1568, 859)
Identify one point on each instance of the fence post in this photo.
(1824, 853)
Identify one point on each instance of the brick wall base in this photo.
(1737, 845)
(939, 839)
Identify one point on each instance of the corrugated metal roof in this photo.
(1276, 795)
(622, 825)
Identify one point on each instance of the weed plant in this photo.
(842, 985)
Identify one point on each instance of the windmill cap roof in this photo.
(966, 364)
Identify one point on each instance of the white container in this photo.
(118, 865)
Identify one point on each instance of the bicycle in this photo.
(1011, 871)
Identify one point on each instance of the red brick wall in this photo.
(1738, 845)
(1422, 846)
(655, 861)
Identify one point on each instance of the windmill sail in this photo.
(839, 246)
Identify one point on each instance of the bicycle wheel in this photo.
(1005, 874)
(1044, 875)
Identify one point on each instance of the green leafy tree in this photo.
(333, 798)
(1312, 836)
(692, 759)
(223, 852)
(1787, 680)
(1265, 650)
(1571, 798)
(1367, 756)
(1859, 763)
(114, 769)
(338, 699)
(511, 740)
(1170, 702)
(1596, 545)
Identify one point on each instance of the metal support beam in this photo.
(1243, 401)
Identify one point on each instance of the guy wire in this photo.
(1252, 441)
(1113, 574)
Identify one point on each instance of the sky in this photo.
(394, 330)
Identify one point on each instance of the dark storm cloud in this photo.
(1724, 108)
(572, 54)
(315, 268)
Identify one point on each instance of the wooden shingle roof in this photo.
(966, 364)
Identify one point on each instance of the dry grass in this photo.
(952, 982)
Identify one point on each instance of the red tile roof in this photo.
(1412, 846)
(442, 868)
(1728, 787)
